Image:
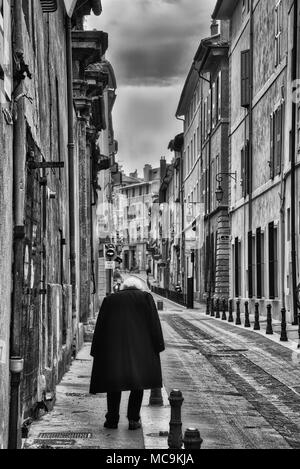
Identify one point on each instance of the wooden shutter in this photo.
(250, 253)
(236, 266)
(219, 110)
(243, 172)
(245, 78)
(272, 147)
(271, 262)
(209, 112)
(258, 263)
(214, 110)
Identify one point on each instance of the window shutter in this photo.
(279, 137)
(219, 96)
(258, 263)
(250, 283)
(245, 78)
(236, 266)
(247, 168)
(243, 172)
(271, 262)
(272, 149)
(214, 117)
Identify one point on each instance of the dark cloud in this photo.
(153, 41)
(151, 46)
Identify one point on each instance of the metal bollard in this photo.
(247, 319)
(156, 398)
(230, 318)
(208, 306)
(269, 329)
(212, 308)
(175, 434)
(192, 439)
(283, 336)
(218, 308)
(224, 318)
(256, 321)
(238, 321)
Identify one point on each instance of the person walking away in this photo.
(148, 272)
(126, 348)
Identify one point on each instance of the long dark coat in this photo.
(126, 344)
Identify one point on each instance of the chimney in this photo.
(214, 28)
(147, 171)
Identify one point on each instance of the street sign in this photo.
(110, 265)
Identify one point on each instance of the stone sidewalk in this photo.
(77, 419)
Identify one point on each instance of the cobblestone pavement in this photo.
(240, 389)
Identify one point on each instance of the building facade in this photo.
(50, 125)
(264, 203)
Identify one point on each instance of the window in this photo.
(198, 141)
(140, 190)
(278, 32)
(273, 261)
(245, 78)
(245, 169)
(28, 10)
(214, 105)
(276, 140)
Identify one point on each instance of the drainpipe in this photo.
(250, 156)
(71, 147)
(293, 170)
(19, 183)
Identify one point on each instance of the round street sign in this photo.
(110, 253)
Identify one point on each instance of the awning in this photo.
(49, 6)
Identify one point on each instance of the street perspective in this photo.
(149, 228)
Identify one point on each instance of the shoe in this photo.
(108, 424)
(133, 425)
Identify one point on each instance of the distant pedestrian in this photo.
(148, 272)
(126, 346)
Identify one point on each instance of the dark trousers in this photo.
(133, 409)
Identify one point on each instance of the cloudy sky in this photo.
(151, 47)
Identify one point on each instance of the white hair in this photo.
(133, 282)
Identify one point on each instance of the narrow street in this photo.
(240, 389)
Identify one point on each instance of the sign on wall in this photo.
(70, 6)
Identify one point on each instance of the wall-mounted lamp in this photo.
(219, 178)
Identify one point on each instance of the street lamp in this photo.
(219, 178)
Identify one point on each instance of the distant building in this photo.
(133, 199)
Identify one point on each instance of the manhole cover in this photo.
(53, 442)
(65, 435)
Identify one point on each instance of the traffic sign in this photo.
(110, 265)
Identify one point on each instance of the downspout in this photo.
(293, 170)
(19, 184)
(71, 147)
(250, 162)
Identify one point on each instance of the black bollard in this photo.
(230, 318)
(218, 308)
(208, 306)
(238, 321)
(224, 318)
(256, 320)
(269, 329)
(175, 434)
(247, 319)
(212, 308)
(283, 336)
(192, 439)
(156, 398)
